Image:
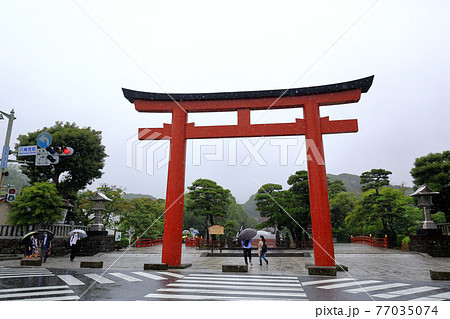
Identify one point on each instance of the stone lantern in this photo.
(424, 196)
(99, 206)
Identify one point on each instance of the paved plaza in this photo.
(363, 261)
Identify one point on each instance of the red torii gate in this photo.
(312, 126)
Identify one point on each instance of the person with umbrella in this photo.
(246, 238)
(76, 235)
(73, 245)
(29, 244)
(45, 246)
(29, 247)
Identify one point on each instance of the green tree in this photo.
(207, 199)
(434, 170)
(341, 204)
(271, 202)
(114, 208)
(72, 173)
(375, 179)
(390, 213)
(335, 187)
(38, 204)
(145, 216)
(286, 208)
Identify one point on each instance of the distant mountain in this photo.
(250, 207)
(131, 196)
(351, 182)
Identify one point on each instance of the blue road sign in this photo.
(27, 150)
(44, 140)
(5, 155)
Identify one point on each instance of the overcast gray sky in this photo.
(68, 60)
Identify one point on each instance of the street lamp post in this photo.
(11, 119)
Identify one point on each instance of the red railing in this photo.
(148, 242)
(191, 242)
(369, 240)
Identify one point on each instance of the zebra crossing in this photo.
(231, 287)
(55, 291)
(113, 277)
(22, 272)
(57, 284)
(382, 290)
(38, 293)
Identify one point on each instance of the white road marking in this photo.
(411, 291)
(99, 279)
(167, 273)
(144, 274)
(348, 284)
(176, 284)
(71, 280)
(325, 281)
(36, 293)
(228, 292)
(123, 276)
(379, 287)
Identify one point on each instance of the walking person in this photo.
(73, 245)
(247, 246)
(35, 242)
(262, 249)
(29, 247)
(45, 247)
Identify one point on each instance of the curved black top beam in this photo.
(364, 84)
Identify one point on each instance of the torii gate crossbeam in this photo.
(312, 126)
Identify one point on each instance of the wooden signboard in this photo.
(216, 230)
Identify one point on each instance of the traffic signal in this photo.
(11, 195)
(52, 155)
(64, 151)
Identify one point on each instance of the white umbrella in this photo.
(80, 232)
(264, 233)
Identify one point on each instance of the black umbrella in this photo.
(247, 234)
(49, 233)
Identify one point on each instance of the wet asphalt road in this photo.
(36, 283)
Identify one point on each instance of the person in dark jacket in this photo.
(45, 247)
(29, 247)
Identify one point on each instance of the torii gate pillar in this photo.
(312, 126)
(173, 223)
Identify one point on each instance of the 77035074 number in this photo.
(406, 310)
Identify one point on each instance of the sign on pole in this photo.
(216, 230)
(41, 158)
(27, 150)
(44, 140)
(5, 155)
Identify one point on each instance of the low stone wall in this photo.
(60, 246)
(11, 246)
(434, 245)
(95, 244)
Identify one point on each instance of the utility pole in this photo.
(11, 118)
